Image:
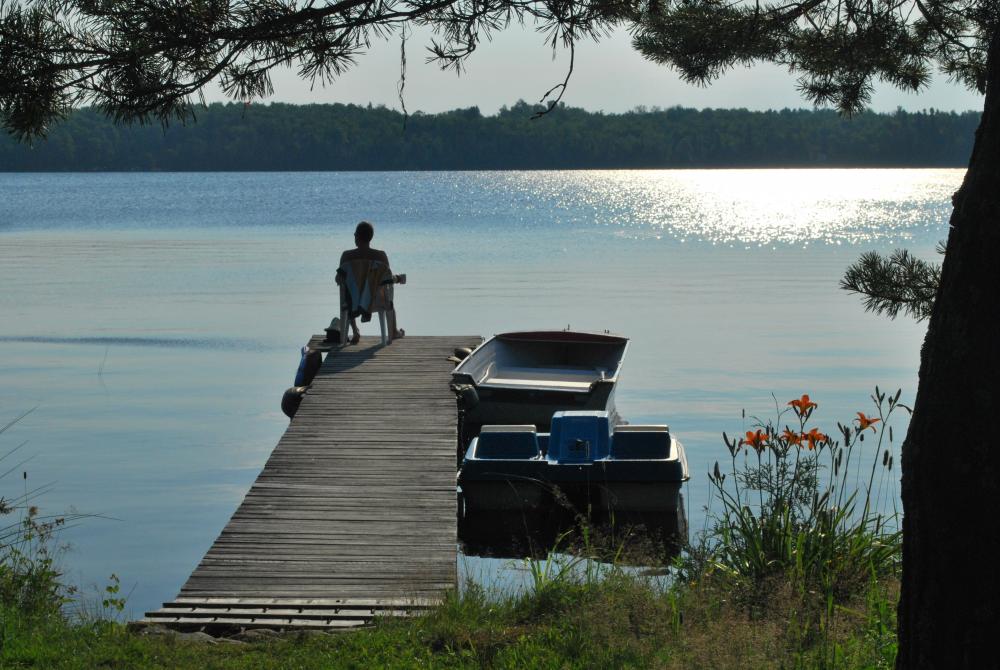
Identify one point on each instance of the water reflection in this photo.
(742, 207)
(764, 207)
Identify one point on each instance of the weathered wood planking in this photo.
(353, 515)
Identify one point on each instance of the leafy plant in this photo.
(113, 600)
(30, 581)
(789, 507)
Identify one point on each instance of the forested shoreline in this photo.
(282, 137)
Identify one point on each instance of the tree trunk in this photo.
(949, 611)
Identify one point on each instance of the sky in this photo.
(608, 76)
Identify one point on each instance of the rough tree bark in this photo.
(949, 611)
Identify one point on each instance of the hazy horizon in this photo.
(636, 108)
(609, 76)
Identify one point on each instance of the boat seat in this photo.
(554, 377)
(641, 442)
(579, 436)
(507, 442)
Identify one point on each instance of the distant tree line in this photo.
(283, 137)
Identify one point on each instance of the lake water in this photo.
(153, 320)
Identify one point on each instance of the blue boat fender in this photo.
(308, 366)
(291, 400)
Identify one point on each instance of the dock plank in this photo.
(356, 503)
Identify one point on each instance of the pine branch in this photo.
(149, 60)
(890, 284)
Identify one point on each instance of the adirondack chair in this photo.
(366, 288)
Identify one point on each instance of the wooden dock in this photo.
(353, 515)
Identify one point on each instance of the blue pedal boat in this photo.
(619, 468)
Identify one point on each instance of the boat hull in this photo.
(503, 486)
(662, 497)
(611, 486)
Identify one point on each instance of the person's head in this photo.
(363, 234)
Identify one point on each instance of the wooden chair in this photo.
(366, 288)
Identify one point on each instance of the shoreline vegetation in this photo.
(798, 566)
(619, 622)
(338, 137)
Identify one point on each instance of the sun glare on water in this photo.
(761, 207)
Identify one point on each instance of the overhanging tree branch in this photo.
(891, 284)
(140, 60)
(145, 59)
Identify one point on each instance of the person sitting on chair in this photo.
(363, 250)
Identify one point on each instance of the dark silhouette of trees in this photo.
(347, 137)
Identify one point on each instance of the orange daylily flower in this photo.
(792, 437)
(814, 436)
(756, 439)
(803, 405)
(864, 423)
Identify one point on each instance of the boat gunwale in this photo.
(558, 337)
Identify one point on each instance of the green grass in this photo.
(618, 621)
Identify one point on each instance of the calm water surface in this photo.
(153, 320)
